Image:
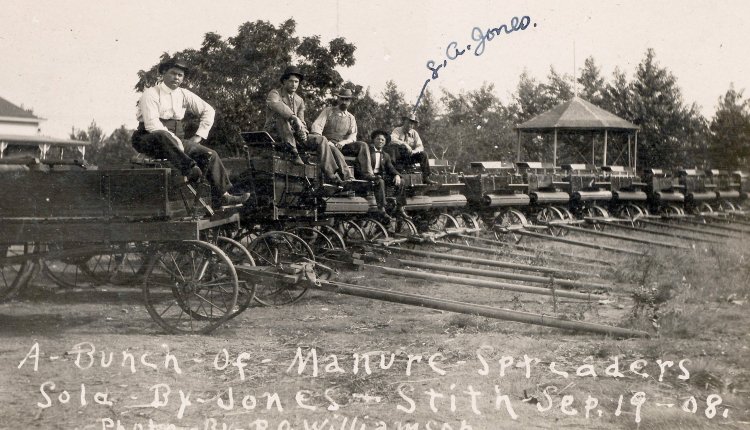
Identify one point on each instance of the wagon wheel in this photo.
(466, 221)
(373, 229)
(567, 215)
(672, 210)
(703, 209)
(66, 272)
(725, 206)
(351, 232)
(240, 256)
(190, 286)
(15, 274)
(317, 241)
(123, 266)
(403, 228)
(548, 215)
(333, 235)
(596, 211)
(279, 250)
(320, 244)
(506, 222)
(632, 213)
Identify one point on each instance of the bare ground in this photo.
(442, 370)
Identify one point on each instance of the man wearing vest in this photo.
(384, 171)
(160, 132)
(339, 126)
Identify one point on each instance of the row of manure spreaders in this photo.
(529, 197)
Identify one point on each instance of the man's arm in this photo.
(198, 106)
(418, 146)
(399, 138)
(352, 136)
(390, 169)
(320, 122)
(273, 102)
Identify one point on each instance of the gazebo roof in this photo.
(576, 114)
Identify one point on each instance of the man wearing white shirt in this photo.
(411, 149)
(160, 132)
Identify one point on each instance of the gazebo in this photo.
(578, 115)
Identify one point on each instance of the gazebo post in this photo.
(604, 160)
(593, 148)
(635, 157)
(554, 150)
(518, 146)
(630, 158)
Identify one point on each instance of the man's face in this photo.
(379, 141)
(291, 84)
(173, 77)
(343, 103)
(408, 125)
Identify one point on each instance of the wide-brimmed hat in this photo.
(174, 62)
(292, 70)
(345, 93)
(411, 117)
(384, 133)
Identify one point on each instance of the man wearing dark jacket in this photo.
(384, 172)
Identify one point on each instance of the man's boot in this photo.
(401, 213)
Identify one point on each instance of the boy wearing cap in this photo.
(160, 132)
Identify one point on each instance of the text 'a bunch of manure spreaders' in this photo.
(199, 266)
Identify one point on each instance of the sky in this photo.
(75, 61)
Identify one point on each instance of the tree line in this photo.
(234, 74)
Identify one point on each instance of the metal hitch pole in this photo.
(578, 243)
(503, 275)
(661, 233)
(684, 228)
(488, 262)
(478, 310)
(597, 262)
(621, 237)
(709, 222)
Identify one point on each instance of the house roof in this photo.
(576, 114)
(8, 109)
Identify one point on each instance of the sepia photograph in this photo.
(374, 215)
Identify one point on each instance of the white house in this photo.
(20, 137)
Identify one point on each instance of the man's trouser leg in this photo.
(284, 134)
(162, 145)
(424, 163)
(210, 163)
(362, 152)
(327, 162)
(379, 190)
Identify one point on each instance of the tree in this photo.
(667, 126)
(95, 136)
(393, 107)
(116, 149)
(729, 139)
(591, 82)
(234, 75)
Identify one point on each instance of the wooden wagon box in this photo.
(125, 193)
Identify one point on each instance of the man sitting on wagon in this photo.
(285, 122)
(385, 172)
(339, 126)
(160, 132)
(411, 149)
